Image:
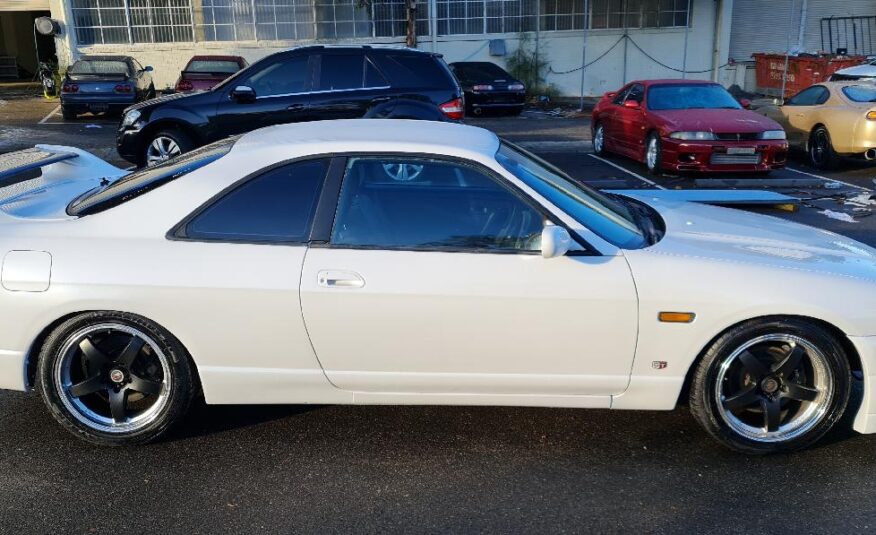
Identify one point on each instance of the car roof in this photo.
(202, 57)
(104, 58)
(373, 135)
(372, 48)
(674, 81)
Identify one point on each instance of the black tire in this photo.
(177, 388)
(514, 112)
(151, 93)
(655, 167)
(722, 424)
(820, 149)
(599, 148)
(181, 139)
(68, 114)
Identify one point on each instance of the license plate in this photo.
(740, 150)
(98, 107)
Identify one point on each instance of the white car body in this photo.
(867, 71)
(426, 327)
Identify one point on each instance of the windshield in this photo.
(860, 93)
(213, 66)
(139, 182)
(690, 97)
(95, 66)
(607, 218)
(480, 71)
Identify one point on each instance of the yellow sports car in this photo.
(829, 120)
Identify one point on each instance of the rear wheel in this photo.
(653, 154)
(165, 145)
(68, 114)
(114, 379)
(821, 153)
(771, 386)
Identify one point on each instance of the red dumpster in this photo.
(803, 71)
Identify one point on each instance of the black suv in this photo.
(301, 84)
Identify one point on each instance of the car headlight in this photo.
(130, 118)
(773, 134)
(693, 136)
(516, 87)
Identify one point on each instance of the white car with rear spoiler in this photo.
(415, 262)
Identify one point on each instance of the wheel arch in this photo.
(36, 346)
(840, 336)
(815, 126)
(167, 124)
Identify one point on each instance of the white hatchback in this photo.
(408, 262)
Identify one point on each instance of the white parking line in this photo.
(46, 118)
(827, 179)
(640, 177)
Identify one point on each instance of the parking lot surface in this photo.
(435, 469)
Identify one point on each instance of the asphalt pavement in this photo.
(307, 469)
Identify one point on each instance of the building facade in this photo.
(625, 39)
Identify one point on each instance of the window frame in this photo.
(819, 101)
(366, 60)
(502, 182)
(330, 188)
(308, 78)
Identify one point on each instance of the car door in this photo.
(280, 94)
(347, 85)
(432, 282)
(630, 122)
(798, 112)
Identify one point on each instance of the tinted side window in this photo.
(373, 78)
(340, 71)
(280, 78)
(275, 206)
(808, 97)
(619, 98)
(637, 93)
(408, 203)
(415, 70)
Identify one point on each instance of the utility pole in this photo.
(584, 51)
(788, 50)
(686, 31)
(411, 36)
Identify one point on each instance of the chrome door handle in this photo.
(339, 279)
(296, 107)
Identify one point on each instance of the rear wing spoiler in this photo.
(28, 170)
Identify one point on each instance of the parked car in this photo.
(415, 262)
(686, 125)
(303, 84)
(489, 87)
(830, 120)
(867, 71)
(104, 84)
(204, 72)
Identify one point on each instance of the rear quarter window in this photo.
(415, 70)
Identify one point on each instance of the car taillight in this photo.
(70, 88)
(184, 85)
(516, 87)
(122, 88)
(453, 109)
(482, 87)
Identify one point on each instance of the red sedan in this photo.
(686, 125)
(203, 72)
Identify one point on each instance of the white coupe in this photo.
(407, 262)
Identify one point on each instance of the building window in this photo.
(558, 15)
(100, 21)
(638, 13)
(161, 21)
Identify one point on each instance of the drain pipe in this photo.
(684, 56)
(584, 52)
(803, 13)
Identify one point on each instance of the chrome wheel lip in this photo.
(85, 415)
(651, 155)
(161, 149)
(812, 412)
(599, 139)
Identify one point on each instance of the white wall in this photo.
(563, 50)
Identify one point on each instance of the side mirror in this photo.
(555, 241)
(243, 93)
(632, 104)
(745, 103)
(610, 94)
(148, 68)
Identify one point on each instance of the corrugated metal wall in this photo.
(24, 5)
(763, 26)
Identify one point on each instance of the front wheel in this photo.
(771, 386)
(114, 379)
(653, 154)
(165, 145)
(599, 140)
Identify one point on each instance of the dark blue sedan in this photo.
(99, 84)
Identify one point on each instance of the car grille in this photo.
(735, 159)
(749, 136)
